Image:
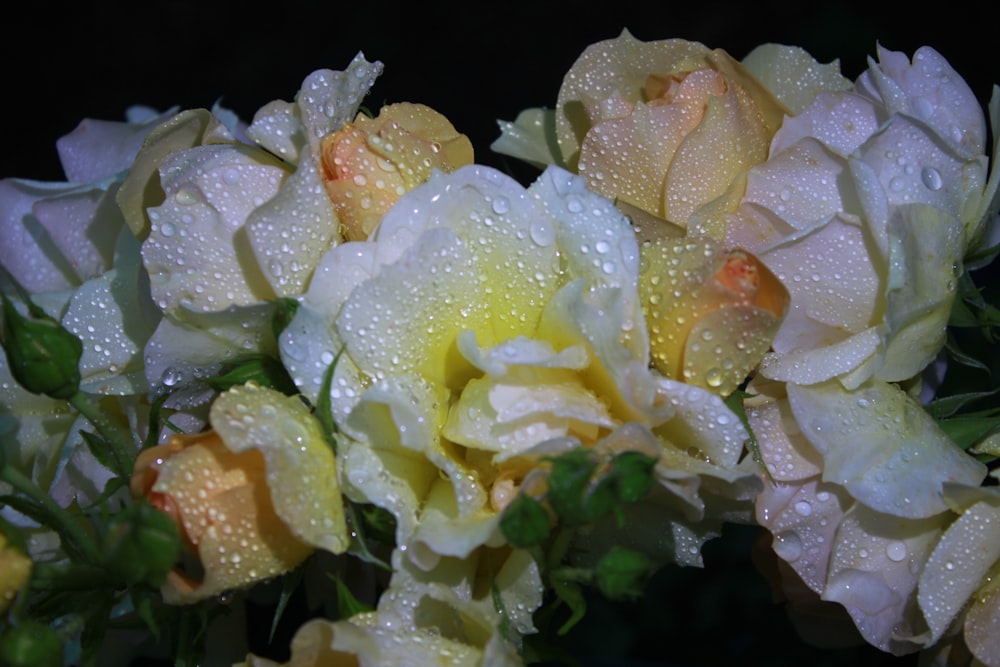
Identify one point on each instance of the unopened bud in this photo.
(43, 356)
(31, 644)
(141, 545)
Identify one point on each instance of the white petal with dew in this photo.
(882, 447)
(873, 572)
(792, 75)
(958, 565)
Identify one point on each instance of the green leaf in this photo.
(621, 574)
(379, 524)
(289, 583)
(347, 604)
(153, 432)
(359, 547)
(967, 430)
(110, 488)
(499, 608)
(284, 311)
(324, 411)
(525, 523)
(947, 406)
(735, 403)
(142, 603)
(260, 368)
(95, 628)
(958, 356)
(102, 450)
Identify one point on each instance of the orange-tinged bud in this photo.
(369, 164)
(711, 313)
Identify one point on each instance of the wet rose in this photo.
(666, 126)
(845, 523)
(865, 209)
(481, 326)
(368, 164)
(253, 497)
(711, 313)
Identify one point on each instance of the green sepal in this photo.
(525, 523)
(571, 594)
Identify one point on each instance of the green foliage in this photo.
(965, 402)
(289, 583)
(370, 526)
(347, 604)
(284, 311)
(260, 368)
(583, 487)
(735, 403)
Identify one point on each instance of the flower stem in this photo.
(64, 523)
(120, 442)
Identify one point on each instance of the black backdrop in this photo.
(474, 62)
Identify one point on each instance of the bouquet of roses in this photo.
(328, 355)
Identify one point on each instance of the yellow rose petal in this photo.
(300, 466)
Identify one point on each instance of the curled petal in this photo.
(794, 76)
(802, 519)
(929, 89)
(623, 63)
(369, 164)
(301, 472)
(958, 566)
(897, 435)
(195, 252)
(711, 314)
(873, 568)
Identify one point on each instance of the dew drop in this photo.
(542, 232)
(896, 551)
(931, 178)
(788, 545)
(713, 377)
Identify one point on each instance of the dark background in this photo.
(475, 63)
